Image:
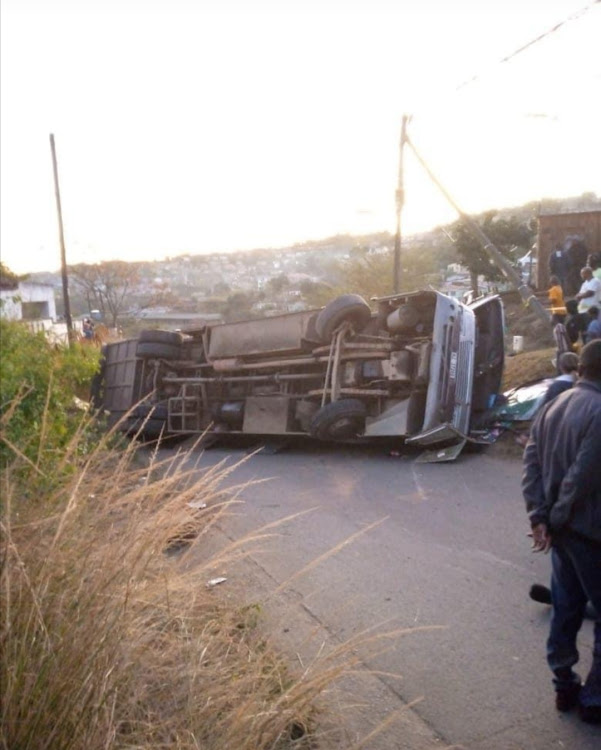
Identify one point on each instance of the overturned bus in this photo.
(420, 366)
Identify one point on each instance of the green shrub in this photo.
(38, 383)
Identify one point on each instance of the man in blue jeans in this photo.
(562, 489)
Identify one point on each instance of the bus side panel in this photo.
(277, 335)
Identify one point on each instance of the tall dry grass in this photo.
(111, 639)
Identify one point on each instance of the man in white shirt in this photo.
(590, 291)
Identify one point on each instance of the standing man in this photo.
(559, 265)
(567, 365)
(562, 489)
(590, 291)
(593, 329)
(594, 261)
(576, 252)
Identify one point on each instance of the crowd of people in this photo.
(576, 321)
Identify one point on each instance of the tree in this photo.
(277, 284)
(8, 279)
(106, 285)
(316, 293)
(221, 288)
(237, 307)
(372, 275)
(505, 233)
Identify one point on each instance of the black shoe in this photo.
(590, 714)
(540, 593)
(567, 699)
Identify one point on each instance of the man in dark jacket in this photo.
(575, 323)
(593, 329)
(568, 367)
(562, 489)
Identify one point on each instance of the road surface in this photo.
(448, 548)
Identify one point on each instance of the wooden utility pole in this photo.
(61, 237)
(489, 247)
(400, 200)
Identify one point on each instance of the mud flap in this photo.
(440, 455)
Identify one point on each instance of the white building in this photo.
(28, 301)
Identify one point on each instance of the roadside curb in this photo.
(360, 702)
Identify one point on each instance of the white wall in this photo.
(13, 299)
(10, 305)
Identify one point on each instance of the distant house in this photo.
(27, 301)
(378, 250)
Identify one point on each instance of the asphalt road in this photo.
(450, 549)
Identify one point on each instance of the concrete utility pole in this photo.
(400, 200)
(61, 237)
(494, 253)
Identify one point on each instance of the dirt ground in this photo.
(528, 366)
(521, 321)
(535, 362)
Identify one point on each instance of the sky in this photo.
(198, 126)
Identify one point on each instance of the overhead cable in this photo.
(537, 39)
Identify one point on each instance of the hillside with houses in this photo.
(188, 289)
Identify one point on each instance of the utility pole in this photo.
(400, 200)
(61, 237)
(489, 247)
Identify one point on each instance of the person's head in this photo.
(593, 311)
(593, 261)
(586, 273)
(568, 363)
(554, 281)
(572, 306)
(590, 361)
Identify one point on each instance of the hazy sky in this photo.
(212, 125)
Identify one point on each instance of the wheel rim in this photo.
(343, 427)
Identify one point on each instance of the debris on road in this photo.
(197, 505)
(215, 582)
(521, 404)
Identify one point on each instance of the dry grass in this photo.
(108, 641)
(111, 639)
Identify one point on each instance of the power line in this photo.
(540, 37)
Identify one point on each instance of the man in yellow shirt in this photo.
(556, 297)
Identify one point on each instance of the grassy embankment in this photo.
(107, 639)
